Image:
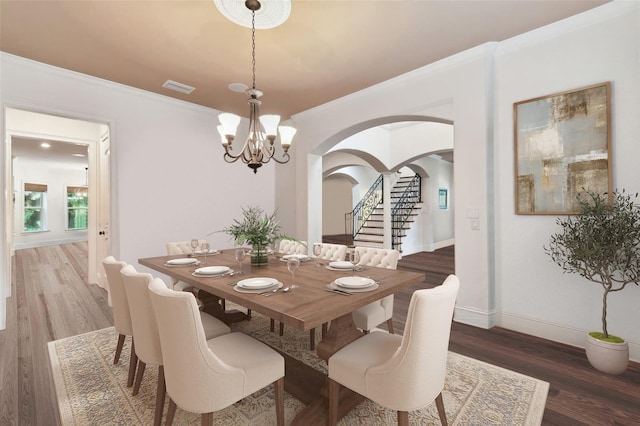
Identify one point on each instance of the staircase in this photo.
(405, 200)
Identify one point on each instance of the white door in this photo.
(99, 208)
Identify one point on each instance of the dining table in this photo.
(312, 299)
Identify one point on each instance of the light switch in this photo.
(475, 224)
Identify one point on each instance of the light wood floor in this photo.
(50, 300)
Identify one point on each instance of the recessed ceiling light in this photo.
(78, 155)
(178, 87)
(45, 145)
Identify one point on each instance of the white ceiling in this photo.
(325, 50)
(58, 151)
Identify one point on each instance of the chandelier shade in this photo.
(259, 146)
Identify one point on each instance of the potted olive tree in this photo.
(602, 244)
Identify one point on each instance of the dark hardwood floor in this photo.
(50, 300)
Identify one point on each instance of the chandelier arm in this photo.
(286, 160)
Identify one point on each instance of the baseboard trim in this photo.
(554, 332)
(19, 246)
(474, 317)
(443, 244)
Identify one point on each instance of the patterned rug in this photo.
(92, 390)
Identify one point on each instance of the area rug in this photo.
(91, 390)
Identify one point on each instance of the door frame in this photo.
(99, 185)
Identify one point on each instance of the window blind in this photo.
(35, 187)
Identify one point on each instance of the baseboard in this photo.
(19, 246)
(443, 244)
(554, 332)
(474, 317)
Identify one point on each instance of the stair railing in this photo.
(356, 219)
(403, 208)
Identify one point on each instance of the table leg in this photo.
(213, 306)
(342, 331)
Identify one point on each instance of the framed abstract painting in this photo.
(562, 145)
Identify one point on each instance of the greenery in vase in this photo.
(601, 244)
(256, 228)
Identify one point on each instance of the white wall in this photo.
(169, 181)
(533, 294)
(57, 176)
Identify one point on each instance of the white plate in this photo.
(355, 290)
(182, 261)
(341, 264)
(201, 253)
(302, 257)
(212, 270)
(257, 283)
(239, 289)
(355, 282)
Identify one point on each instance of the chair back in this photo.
(292, 247)
(180, 247)
(145, 329)
(378, 257)
(196, 378)
(414, 376)
(117, 295)
(332, 251)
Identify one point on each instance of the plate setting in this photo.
(185, 261)
(355, 282)
(360, 286)
(256, 285)
(300, 257)
(211, 271)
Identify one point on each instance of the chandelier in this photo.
(259, 147)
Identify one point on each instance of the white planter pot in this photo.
(611, 358)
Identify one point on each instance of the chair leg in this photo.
(273, 325)
(278, 386)
(403, 418)
(171, 412)
(139, 374)
(207, 419)
(160, 395)
(440, 406)
(249, 315)
(312, 339)
(281, 329)
(390, 325)
(133, 361)
(334, 393)
(119, 348)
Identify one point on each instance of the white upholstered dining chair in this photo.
(181, 247)
(204, 376)
(376, 313)
(331, 252)
(121, 315)
(292, 247)
(402, 373)
(145, 331)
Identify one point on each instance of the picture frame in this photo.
(562, 148)
(443, 199)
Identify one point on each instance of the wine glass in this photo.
(205, 247)
(354, 258)
(240, 255)
(292, 265)
(194, 245)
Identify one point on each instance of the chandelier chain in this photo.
(253, 45)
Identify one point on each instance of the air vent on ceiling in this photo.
(178, 87)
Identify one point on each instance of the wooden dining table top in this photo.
(305, 307)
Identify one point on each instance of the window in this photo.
(77, 207)
(35, 203)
